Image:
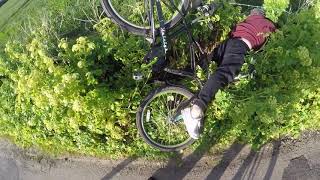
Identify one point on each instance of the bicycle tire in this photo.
(138, 30)
(140, 120)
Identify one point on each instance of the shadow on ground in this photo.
(118, 168)
(178, 169)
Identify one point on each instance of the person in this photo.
(248, 35)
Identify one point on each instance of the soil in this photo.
(286, 159)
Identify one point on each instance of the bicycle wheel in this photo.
(155, 120)
(132, 14)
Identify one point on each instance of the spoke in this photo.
(147, 10)
(169, 134)
(172, 104)
(169, 6)
(177, 105)
(175, 102)
(146, 5)
(158, 124)
(137, 12)
(175, 97)
(165, 104)
(153, 120)
(157, 107)
(158, 128)
(162, 110)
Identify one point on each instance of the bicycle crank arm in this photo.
(177, 118)
(177, 115)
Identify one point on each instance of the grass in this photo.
(10, 10)
(15, 13)
(18, 16)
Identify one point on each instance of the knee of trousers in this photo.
(227, 74)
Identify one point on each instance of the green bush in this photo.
(76, 94)
(284, 97)
(64, 102)
(275, 8)
(73, 95)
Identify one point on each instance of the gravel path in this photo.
(287, 160)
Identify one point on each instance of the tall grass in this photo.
(63, 18)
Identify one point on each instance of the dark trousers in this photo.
(229, 57)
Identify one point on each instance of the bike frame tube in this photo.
(162, 27)
(164, 36)
(163, 33)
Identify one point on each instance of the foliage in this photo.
(275, 8)
(284, 97)
(74, 93)
(67, 105)
(221, 22)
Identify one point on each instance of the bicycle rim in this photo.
(134, 12)
(156, 120)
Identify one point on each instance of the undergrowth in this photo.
(64, 92)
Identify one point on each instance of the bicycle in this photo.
(161, 107)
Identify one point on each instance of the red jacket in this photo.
(255, 29)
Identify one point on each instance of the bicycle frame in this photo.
(164, 39)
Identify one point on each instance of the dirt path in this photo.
(288, 159)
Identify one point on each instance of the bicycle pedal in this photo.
(204, 9)
(208, 9)
(137, 76)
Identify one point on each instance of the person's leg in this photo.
(233, 52)
(217, 54)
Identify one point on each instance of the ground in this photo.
(287, 159)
